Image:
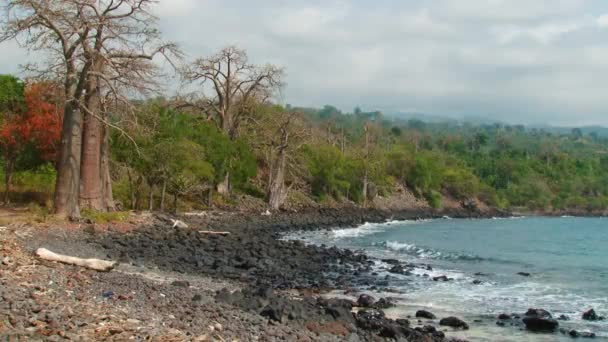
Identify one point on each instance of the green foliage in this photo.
(101, 218)
(12, 91)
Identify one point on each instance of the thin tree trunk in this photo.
(140, 180)
(67, 186)
(151, 198)
(365, 176)
(91, 189)
(8, 179)
(162, 195)
(175, 203)
(106, 181)
(223, 187)
(131, 189)
(210, 197)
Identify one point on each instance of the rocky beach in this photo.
(183, 283)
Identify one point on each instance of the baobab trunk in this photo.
(91, 189)
(277, 193)
(67, 186)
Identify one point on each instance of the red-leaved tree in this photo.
(37, 127)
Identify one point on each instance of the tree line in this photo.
(94, 117)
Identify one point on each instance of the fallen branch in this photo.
(213, 233)
(94, 264)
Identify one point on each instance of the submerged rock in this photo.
(454, 322)
(441, 278)
(524, 274)
(540, 320)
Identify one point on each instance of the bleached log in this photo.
(213, 233)
(94, 264)
(179, 224)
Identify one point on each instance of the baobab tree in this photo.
(281, 134)
(99, 49)
(230, 88)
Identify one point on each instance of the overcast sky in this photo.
(521, 61)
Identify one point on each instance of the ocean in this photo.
(567, 259)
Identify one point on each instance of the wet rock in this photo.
(477, 282)
(441, 278)
(365, 301)
(563, 318)
(590, 315)
(454, 322)
(425, 314)
(524, 274)
(370, 319)
(500, 324)
(539, 320)
(504, 316)
(383, 303)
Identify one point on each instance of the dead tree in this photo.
(228, 81)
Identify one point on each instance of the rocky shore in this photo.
(180, 284)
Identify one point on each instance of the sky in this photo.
(517, 61)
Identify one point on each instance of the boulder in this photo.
(383, 303)
(441, 278)
(504, 316)
(370, 319)
(539, 320)
(454, 322)
(590, 315)
(365, 301)
(425, 314)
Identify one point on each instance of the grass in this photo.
(101, 217)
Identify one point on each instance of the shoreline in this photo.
(278, 282)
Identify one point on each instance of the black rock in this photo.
(587, 334)
(504, 316)
(383, 303)
(441, 278)
(573, 333)
(500, 324)
(403, 322)
(524, 274)
(272, 313)
(563, 318)
(365, 301)
(477, 282)
(539, 320)
(454, 322)
(425, 314)
(181, 283)
(370, 319)
(590, 315)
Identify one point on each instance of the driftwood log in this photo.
(94, 264)
(209, 232)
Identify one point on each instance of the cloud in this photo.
(513, 60)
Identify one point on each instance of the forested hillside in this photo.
(169, 155)
(94, 128)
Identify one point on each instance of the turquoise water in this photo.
(566, 257)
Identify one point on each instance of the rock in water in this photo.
(524, 274)
(365, 301)
(454, 322)
(590, 315)
(441, 278)
(539, 320)
(425, 314)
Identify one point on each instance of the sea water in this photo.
(567, 259)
